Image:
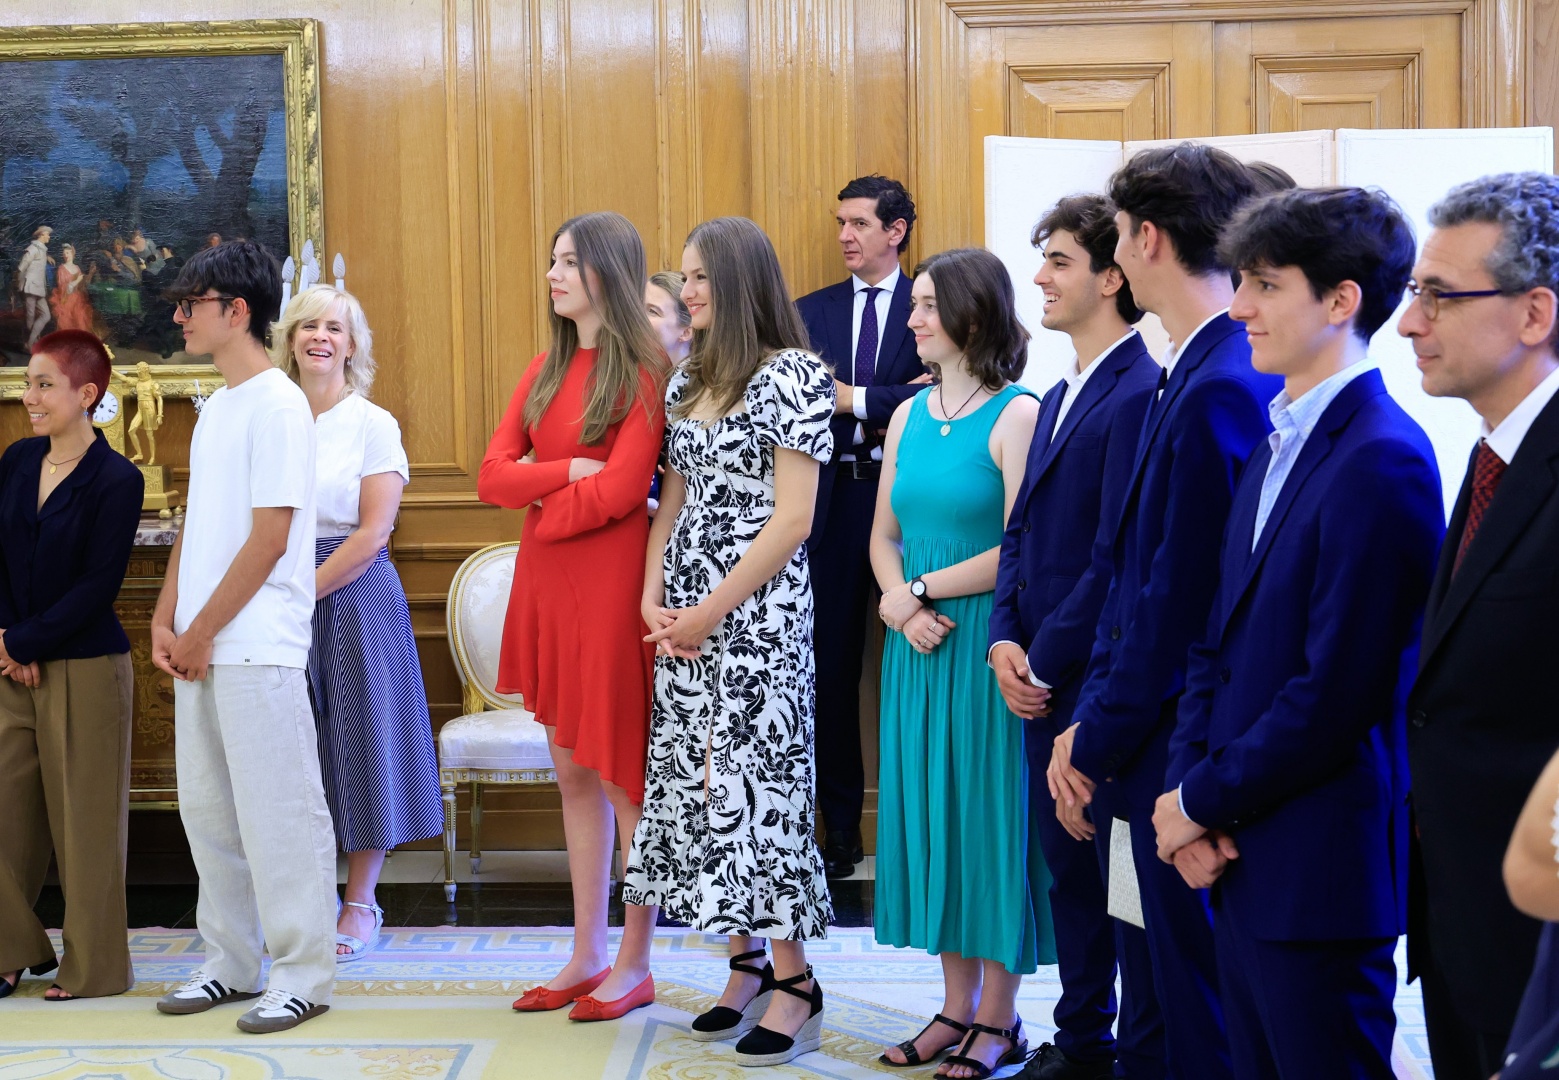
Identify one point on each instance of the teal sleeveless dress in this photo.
(953, 852)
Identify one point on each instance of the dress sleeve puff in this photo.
(382, 449)
(791, 401)
(676, 386)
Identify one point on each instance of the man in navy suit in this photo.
(1050, 585)
(1481, 718)
(1200, 430)
(860, 326)
(1291, 744)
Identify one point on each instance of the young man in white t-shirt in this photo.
(232, 627)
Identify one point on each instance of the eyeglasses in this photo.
(187, 305)
(1429, 297)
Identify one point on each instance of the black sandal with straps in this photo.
(1019, 1051)
(723, 1022)
(912, 1055)
(765, 1046)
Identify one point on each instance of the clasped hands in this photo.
(29, 675)
(185, 656)
(1201, 855)
(922, 626)
(677, 632)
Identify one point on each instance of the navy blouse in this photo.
(61, 566)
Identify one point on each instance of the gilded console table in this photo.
(153, 779)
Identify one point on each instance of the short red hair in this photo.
(82, 358)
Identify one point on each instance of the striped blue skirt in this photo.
(375, 738)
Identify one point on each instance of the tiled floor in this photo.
(513, 888)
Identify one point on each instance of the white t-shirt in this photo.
(356, 438)
(253, 446)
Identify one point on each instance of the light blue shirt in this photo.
(1292, 423)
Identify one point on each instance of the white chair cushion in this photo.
(498, 739)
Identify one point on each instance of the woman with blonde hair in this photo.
(375, 737)
(726, 841)
(669, 316)
(575, 450)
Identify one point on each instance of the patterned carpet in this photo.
(433, 1004)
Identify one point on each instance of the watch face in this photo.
(917, 587)
(107, 409)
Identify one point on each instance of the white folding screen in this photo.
(1024, 177)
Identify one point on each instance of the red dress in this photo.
(573, 640)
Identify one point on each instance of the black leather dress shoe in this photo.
(1050, 1062)
(842, 853)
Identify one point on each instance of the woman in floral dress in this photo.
(725, 843)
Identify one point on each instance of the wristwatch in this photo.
(917, 589)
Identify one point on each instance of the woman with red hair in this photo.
(69, 506)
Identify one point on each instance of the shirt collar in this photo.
(1505, 440)
(887, 284)
(1299, 417)
(1075, 377)
(1176, 349)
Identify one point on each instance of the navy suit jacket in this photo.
(61, 566)
(1292, 733)
(1164, 558)
(829, 314)
(1055, 554)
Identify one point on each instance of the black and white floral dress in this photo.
(740, 859)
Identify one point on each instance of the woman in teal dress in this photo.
(952, 821)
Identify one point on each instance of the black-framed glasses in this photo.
(187, 305)
(1429, 297)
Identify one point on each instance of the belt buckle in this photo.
(865, 470)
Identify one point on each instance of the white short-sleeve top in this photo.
(356, 438)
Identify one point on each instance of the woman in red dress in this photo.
(576, 450)
(72, 309)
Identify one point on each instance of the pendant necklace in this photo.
(54, 466)
(947, 425)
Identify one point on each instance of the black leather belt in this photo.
(862, 470)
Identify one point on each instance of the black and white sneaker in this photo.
(278, 1011)
(199, 994)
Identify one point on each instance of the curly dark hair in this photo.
(976, 307)
(1091, 221)
(893, 201)
(1190, 192)
(1332, 235)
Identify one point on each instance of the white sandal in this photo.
(357, 947)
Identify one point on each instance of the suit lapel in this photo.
(1202, 344)
(892, 335)
(1316, 449)
(841, 316)
(1238, 559)
(1528, 484)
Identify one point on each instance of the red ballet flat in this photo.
(589, 1008)
(540, 999)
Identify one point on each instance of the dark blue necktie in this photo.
(866, 343)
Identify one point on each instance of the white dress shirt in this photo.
(1506, 439)
(883, 300)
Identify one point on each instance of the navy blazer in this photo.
(1292, 734)
(1055, 554)
(61, 567)
(829, 314)
(1164, 558)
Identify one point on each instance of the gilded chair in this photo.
(496, 741)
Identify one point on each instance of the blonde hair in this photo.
(670, 282)
(313, 303)
(609, 245)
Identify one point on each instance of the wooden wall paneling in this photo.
(1296, 75)
(1543, 65)
(802, 133)
(880, 83)
(944, 175)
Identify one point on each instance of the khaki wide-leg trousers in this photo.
(65, 783)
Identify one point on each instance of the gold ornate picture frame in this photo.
(100, 90)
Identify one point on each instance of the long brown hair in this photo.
(753, 315)
(608, 244)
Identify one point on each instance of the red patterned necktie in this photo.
(1487, 469)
